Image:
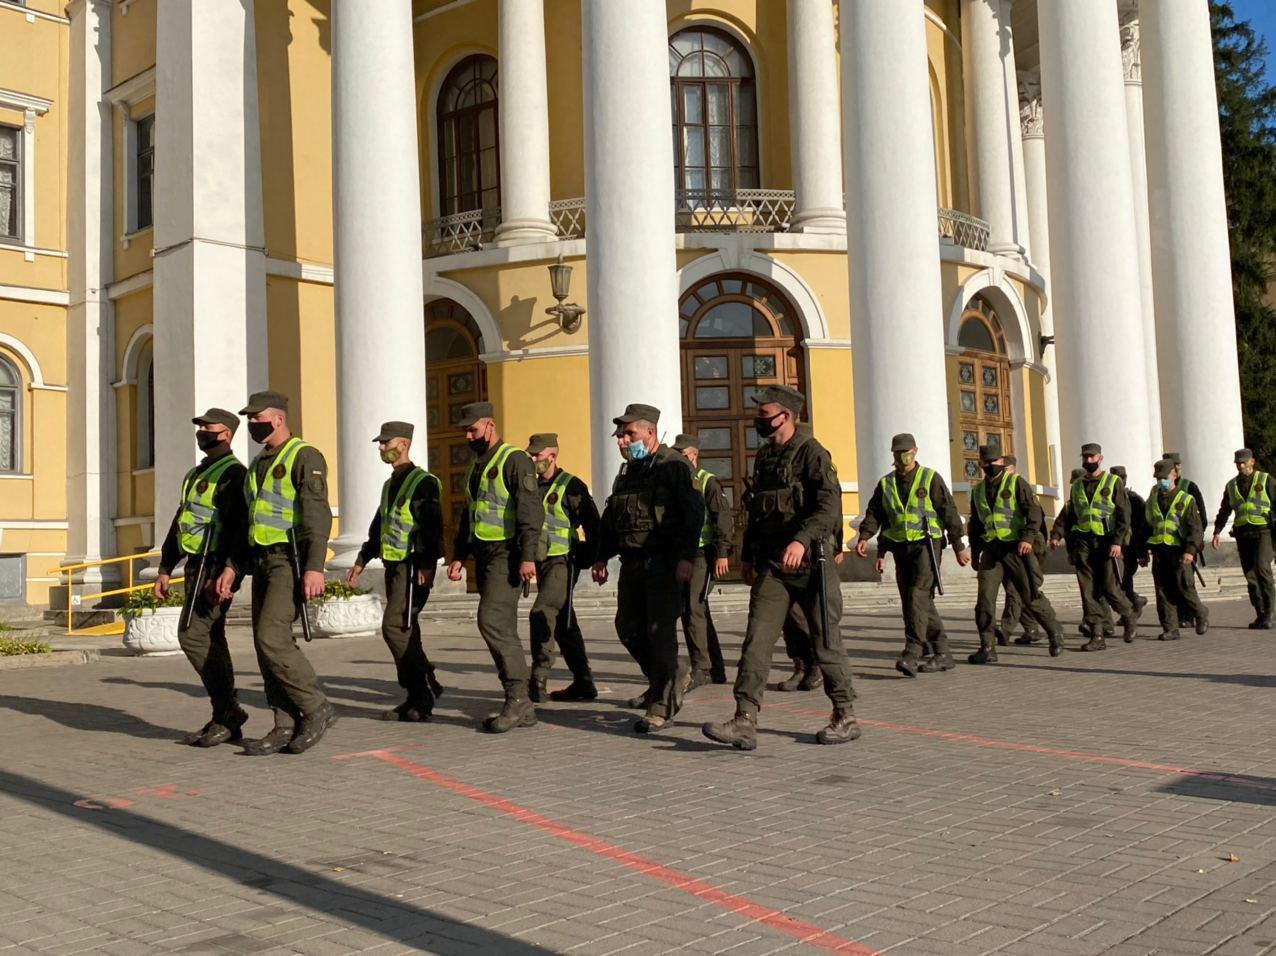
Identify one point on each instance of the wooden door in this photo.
(983, 382)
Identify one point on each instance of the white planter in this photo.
(346, 617)
(153, 632)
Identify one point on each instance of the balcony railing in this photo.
(742, 210)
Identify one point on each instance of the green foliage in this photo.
(1247, 122)
(144, 599)
(12, 647)
(334, 590)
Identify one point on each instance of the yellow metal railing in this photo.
(74, 601)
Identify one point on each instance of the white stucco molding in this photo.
(134, 283)
(814, 323)
(128, 93)
(437, 287)
(24, 102)
(446, 8)
(522, 355)
(314, 272)
(20, 349)
(132, 355)
(18, 293)
(1022, 333)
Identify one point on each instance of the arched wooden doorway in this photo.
(739, 334)
(454, 376)
(983, 382)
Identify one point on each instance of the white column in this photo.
(1191, 263)
(897, 335)
(209, 258)
(993, 99)
(814, 121)
(1032, 123)
(90, 420)
(1139, 176)
(524, 124)
(1094, 265)
(377, 249)
(633, 285)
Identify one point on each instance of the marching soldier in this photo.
(501, 529)
(1012, 611)
(209, 528)
(1004, 519)
(289, 524)
(703, 650)
(1248, 497)
(913, 508)
(1175, 532)
(1138, 532)
(652, 520)
(1193, 489)
(406, 533)
(568, 507)
(1096, 524)
(794, 514)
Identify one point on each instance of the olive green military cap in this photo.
(782, 395)
(903, 442)
(1173, 456)
(258, 402)
(1120, 472)
(540, 441)
(987, 452)
(638, 413)
(390, 430)
(1243, 455)
(473, 412)
(683, 442)
(1163, 468)
(218, 416)
(1010, 459)
(1092, 448)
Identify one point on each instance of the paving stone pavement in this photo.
(1096, 803)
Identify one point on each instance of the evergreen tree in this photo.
(1247, 119)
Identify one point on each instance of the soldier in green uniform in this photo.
(209, 529)
(1138, 531)
(794, 513)
(1096, 525)
(406, 533)
(1193, 489)
(562, 553)
(703, 649)
(1247, 499)
(652, 520)
(1005, 517)
(1174, 534)
(908, 506)
(287, 495)
(501, 529)
(1012, 611)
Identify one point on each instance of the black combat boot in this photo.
(842, 728)
(1095, 644)
(937, 664)
(794, 680)
(1168, 635)
(1262, 623)
(312, 728)
(435, 687)
(999, 633)
(1085, 630)
(812, 679)
(741, 731)
(987, 654)
(272, 743)
(582, 688)
(1056, 643)
(908, 666)
(1130, 629)
(219, 730)
(1203, 622)
(1028, 638)
(693, 679)
(517, 712)
(1139, 602)
(538, 690)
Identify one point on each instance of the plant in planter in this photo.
(343, 611)
(150, 625)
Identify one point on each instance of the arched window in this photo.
(146, 409)
(468, 139)
(10, 417)
(983, 384)
(715, 114)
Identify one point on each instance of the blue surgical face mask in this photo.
(1165, 484)
(636, 451)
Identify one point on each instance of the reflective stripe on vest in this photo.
(397, 522)
(198, 513)
(1254, 510)
(1165, 527)
(558, 526)
(1003, 521)
(492, 511)
(1094, 515)
(915, 520)
(708, 527)
(272, 507)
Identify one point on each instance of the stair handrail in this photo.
(74, 600)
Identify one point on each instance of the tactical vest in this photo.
(272, 506)
(198, 516)
(556, 535)
(1094, 515)
(1253, 510)
(1003, 521)
(1164, 529)
(632, 511)
(492, 510)
(397, 522)
(708, 528)
(917, 519)
(777, 499)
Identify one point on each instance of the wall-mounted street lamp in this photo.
(1043, 341)
(560, 283)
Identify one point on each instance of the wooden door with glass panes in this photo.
(983, 386)
(737, 337)
(454, 377)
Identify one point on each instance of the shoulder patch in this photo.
(528, 483)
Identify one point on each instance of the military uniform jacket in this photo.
(1027, 505)
(1139, 528)
(314, 525)
(1067, 518)
(653, 507)
(719, 514)
(583, 514)
(794, 495)
(1244, 484)
(427, 517)
(1191, 525)
(529, 510)
(876, 516)
(232, 512)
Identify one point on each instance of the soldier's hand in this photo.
(746, 572)
(1214, 542)
(880, 564)
(974, 563)
(312, 584)
(861, 547)
(1114, 551)
(527, 571)
(721, 568)
(1189, 557)
(225, 581)
(599, 572)
(454, 571)
(839, 558)
(683, 572)
(1056, 544)
(791, 560)
(353, 577)
(1025, 548)
(425, 577)
(963, 558)
(1143, 561)
(161, 586)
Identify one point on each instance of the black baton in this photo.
(299, 587)
(407, 610)
(821, 573)
(188, 606)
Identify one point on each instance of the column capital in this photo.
(1131, 58)
(1032, 120)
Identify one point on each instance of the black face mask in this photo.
(1090, 467)
(765, 427)
(993, 472)
(207, 441)
(260, 431)
(479, 445)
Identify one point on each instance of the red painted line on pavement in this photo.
(754, 912)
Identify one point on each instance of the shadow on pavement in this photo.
(93, 717)
(1246, 680)
(402, 922)
(1234, 788)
